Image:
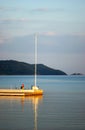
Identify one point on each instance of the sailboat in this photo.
(25, 92)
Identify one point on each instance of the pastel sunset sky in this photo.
(60, 25)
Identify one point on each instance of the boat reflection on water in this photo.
(23, 101)
(35, 101)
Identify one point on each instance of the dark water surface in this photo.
(62, 107)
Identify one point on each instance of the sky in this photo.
(59, 24)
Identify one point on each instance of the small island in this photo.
(77, 74)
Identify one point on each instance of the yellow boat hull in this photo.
(20, 92)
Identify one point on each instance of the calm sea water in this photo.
(62, 107)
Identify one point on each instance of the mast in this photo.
(35, 60)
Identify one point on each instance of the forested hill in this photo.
(11, 67)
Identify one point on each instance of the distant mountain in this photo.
(76, 74)
(12, 67)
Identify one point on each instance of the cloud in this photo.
(50, 33)
(78, 34)
(2, 8)
(48, 10)
(3, 38)
(40, 10)
(15, 20)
